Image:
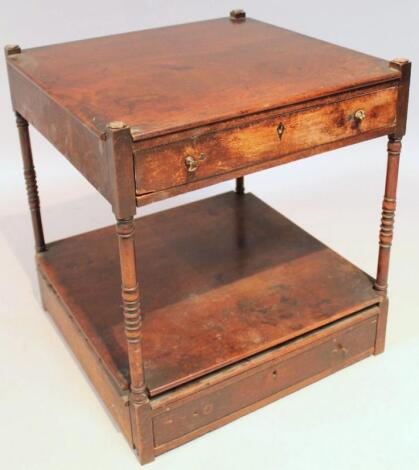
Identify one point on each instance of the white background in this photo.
(365, 417)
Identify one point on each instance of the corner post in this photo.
(388, 212)
(240, 185)
(30, 181)
(238, 16)
(120, 159)
(28, 167)
(389, 201)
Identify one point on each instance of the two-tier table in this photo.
(226, 304)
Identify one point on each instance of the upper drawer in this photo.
(220, 152)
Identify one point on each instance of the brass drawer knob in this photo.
(191, 164)
(359, 115)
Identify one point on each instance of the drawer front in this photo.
(286, 374)
(217, 153)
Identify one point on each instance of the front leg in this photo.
(139, 402)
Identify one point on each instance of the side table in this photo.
(239, 306)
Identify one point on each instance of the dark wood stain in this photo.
(207, 300)
(188, 319)
(167, 79)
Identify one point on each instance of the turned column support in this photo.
(119, 155)
(393, 149)
(139, 400)
(131, 306)
(389, 202)
(388, 213)
(30, 181)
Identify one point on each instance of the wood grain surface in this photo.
(346, 342)
(215, 153)
(166, 79)
(221, 279)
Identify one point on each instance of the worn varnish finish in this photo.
(168, 79)
(389, 200)
(116, 400)
(226, 305)
(220, 152)
(233, 284)
(280, 370)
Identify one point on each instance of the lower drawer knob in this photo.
(340, 349)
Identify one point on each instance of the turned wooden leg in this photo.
(389, 208)
(139, 401)
(386, 235)
(240, 185)
(30, 180)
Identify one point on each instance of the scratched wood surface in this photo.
(262, 140)
(240, 279)
(166, 79)
(344, 344)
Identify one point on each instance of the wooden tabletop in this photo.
(167, 79)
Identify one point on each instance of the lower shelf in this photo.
(221, 280)
(204, 404)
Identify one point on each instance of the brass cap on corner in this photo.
(237, 15)
(10, 49)
(115, 125)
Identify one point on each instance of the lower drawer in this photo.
(264, 378)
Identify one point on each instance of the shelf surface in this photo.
(221, 280)
(173, 78)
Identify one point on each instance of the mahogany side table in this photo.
(239, 306)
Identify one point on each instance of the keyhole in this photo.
(280, 130)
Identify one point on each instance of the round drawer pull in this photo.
(359, 115)
(191, 164)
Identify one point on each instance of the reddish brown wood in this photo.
(116, 401)
(131, 306)
(389, 208)
(81, 145)
(139, 402)
(215, 153)
(233, 284)
(198, 410)
(328, 349)
(404, 66)
(202, 183)
(30, 180)
(119, 160)
(240, 305)
(166, 79)
(393, 149)
(381, 327)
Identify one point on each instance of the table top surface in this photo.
(168, 79)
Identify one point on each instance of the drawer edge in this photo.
(154, 196)
(357, 332)
(161, 448)
(141, 142)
